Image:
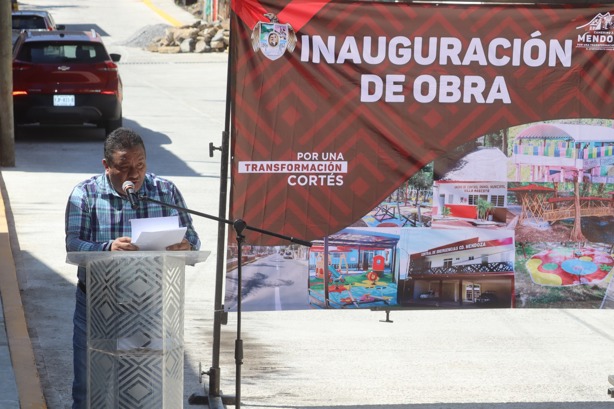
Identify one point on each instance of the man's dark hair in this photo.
(121, 139)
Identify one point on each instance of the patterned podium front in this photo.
(135, 328)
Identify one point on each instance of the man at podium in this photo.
(98, 217)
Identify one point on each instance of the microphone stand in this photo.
(239, 226)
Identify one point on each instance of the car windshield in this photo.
(28, 23)
(43, 53)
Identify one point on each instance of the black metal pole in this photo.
(239, 226)
(214, 371)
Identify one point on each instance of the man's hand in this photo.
(183, 246)
(123, 244)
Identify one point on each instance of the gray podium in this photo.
(135, 327)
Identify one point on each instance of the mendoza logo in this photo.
(598, 33)
(273, 38)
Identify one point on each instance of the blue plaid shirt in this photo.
(96, 214)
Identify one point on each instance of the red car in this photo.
(66, 78)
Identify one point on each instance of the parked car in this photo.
(487, 298)
(427, 295)
(32, 20)
(65, 78)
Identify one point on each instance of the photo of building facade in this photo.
(457, 272)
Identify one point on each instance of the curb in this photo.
(27, 378)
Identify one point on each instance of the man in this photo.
(273, 39)
(98, 217)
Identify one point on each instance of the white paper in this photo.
(156, 233)
(159, 240)
(153, 224)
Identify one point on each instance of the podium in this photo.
(135, 347)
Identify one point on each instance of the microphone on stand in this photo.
(128, 188)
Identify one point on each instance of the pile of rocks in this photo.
(200, 37)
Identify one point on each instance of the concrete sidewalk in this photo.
(19, 380)
(20, 385)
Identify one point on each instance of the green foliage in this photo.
(553, 296)
(445, 212)
(483, 208)
(423, 179)
(580, 295)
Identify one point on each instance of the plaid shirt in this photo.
(96, 214)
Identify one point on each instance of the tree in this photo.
(7, 136)
(576, 231)
(422, 180)
(484, 207)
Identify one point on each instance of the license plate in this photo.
(64, 100)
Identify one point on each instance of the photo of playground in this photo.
(561, 178)
(568, 211)
(563, 189)
(408, 206)
(354, 268)
(563, 274)
(558, 152)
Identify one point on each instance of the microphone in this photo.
(128, 188)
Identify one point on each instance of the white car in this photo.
(428, 294)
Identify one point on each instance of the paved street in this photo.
(460, 359)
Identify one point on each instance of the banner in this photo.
(436, 155)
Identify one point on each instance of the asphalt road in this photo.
(495, 359)
(270, 284)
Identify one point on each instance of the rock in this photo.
(181, 34)
(218, 45)
(199, 37)
(187, 45)
(208, 33)
(201, 47)
(167, 49)
(219, 36)
(153, 47)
